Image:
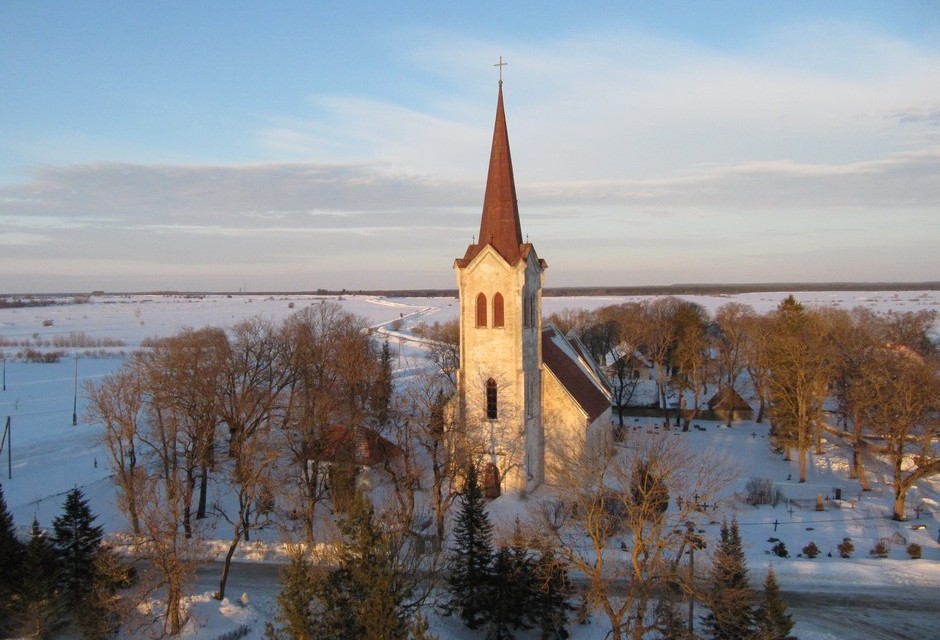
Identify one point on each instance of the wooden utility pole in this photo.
(7, 441)
(75, 397)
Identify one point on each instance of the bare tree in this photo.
(183, 375)
(657, 339)
(251, 403)
(621, 521)
(331, 366)
(856, 337)
(164, 546)
(146, 447)
(902, 388)
(433, 443)
(691, 357)
(443, 346)
(758, 330)
(730, 339)
(801, 366)
(117, 403)
(577, 320)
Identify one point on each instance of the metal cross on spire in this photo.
(501, 64)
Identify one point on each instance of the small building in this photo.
(355, 457)
(728, 404)
(631, 362)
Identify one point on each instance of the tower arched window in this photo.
(491, 406)
(498, 310)
(481, 310)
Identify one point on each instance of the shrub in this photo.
(47, 357)
(762, 491)
(914, 551)
(846, 548)
(780, 549)
(880, 549)
(811, 550)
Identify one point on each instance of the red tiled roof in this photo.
(573, 378)
(361, 446)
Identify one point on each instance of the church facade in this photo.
(521, 386)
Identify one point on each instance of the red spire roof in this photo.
(499, 225)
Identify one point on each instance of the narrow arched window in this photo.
(481, 310)
(498, 310)
(491, 399)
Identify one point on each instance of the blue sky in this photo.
(297, 145)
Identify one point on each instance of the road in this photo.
(879, 613)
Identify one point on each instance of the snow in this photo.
(50, 455)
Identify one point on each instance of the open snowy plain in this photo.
(830, 597)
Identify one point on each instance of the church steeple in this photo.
(499, 281)
(499, 225)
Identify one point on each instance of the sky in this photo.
(293, 146)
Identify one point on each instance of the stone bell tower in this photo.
(499, 382)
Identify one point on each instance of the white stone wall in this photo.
(510, 355)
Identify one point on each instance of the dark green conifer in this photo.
(773, 621)
(97, 616)
(293, 601)
(76, 541)
(381, 396)
(552, 590)
(471, 559)
(364, 598)
(11, 562)
(40, 611)
(729, 595)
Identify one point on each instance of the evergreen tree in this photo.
(381, 396)
(504, 608)
(471, 561)
(39, 613)
(76, 541)
(552, 589)
(729, 595)
(773, 621)
(97, 615)
(294, 599)
(11, 562)
(671, 625)
(363, 598)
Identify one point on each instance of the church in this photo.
(522, 385)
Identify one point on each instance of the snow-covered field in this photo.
(50, 455)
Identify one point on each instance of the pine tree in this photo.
(729, 596)
(40, 612)
(293, 601)
(98, 615)
(506, 608)
(670, 624)
(76, 541)
(552, 589)
(773, 621)
(471, 562)
(11, 563)
(363, 599)
(381, 396)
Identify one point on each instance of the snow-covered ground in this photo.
(50, 455)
